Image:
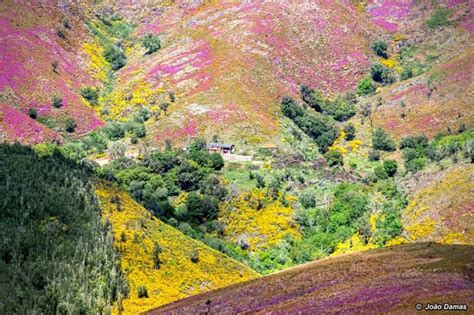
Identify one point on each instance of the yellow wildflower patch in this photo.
(354, 244)
(130, 95)
(98, 65)
(399, 37)
(396, 241)
(180, 199)
(136, 232)
(256, 219)
(390, 63)
(336, 146)
(373, 222)
(453, 238)
(354, 145)
(421, 230)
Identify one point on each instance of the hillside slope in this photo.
(56, 257)
(386, 280)
(229, 62)
(186, 266)
(442, 206)
(40, 58)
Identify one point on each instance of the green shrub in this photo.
(469, 150)
(164, 107)
(194, 256)
(350, 131)
(217, 162)
(61, 31)
(201, 209)
(142, 115)
(260, 181)
(33, 113)
(388, 226)
(136, 129)
(334, 158)
(123, 237)
(339, 109)
(91, 95)
(381, 74)
(380, 172)
(314, 99)
(381, 140)
(290, 109)
(414, 159)
(142, 292)
(308, 199)
(414, 142)
(439, 18)
(157, 250)
(406, 74)
(366, 86)
(55, 66)
(350, 202)
(151, 43)
(70, 125)
(390, 167)
(57, 101)
(115, 56)
(374, 155)
(66, 23)
(380, 48)
(115, 131)
(320, 128)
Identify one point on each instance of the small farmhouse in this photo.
(220, 148)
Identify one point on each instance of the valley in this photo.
(170, 156)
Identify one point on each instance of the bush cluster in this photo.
(151, 43)
(115, 56)
(162, 174)
(319, 127)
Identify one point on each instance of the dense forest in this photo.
(56, 256)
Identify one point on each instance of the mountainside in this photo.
(391, 280)
(185, 267)
(40, 58)
(226, 64)
(229, 62)
(229, 140)
(55, 254)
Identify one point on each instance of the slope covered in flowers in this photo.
(253, 219)
(442, 207)
(441, 96)
(136, 232)
(389, 280)
(29, 46)
(229, 62)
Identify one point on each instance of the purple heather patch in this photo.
(21, 127)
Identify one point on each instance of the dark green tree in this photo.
(380, 47)
(381, 140)
(115, 56)
(314, 99)
(350, 131)
(151, 43)
(57, 101)
(70, 125)
(390, 167)
(33, 113)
